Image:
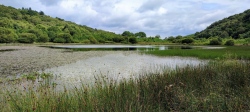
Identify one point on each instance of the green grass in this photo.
(239, 52)
(223, 85)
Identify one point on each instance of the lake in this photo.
(117, 66)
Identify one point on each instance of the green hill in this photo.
(27, 26)
(236, 26)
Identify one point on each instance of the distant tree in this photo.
(43, 38)
(230, 43)
(140, 34)
(41, 13)
(215, 41)
(66, 36)
(127, 33)
(133, 40)
(187, 41)
(158, 36)
(26, 38)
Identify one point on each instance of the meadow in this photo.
(221, 85)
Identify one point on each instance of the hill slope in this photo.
(27, 26)
(236, 26)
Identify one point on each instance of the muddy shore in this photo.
(22, 59)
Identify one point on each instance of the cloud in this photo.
(163, 17)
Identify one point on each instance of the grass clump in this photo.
(221, 85)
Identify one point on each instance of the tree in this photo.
(133, 40)
(140, 34)
(158, 36)
(26, 38)
(230, 43)
(66, 36)
(41, 13)
(215, 41)
(187, 41)
(127, 33)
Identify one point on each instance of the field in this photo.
(221, 85)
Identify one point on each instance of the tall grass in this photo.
(218, 86)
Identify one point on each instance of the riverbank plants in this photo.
(221, 85)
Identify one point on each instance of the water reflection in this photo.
(128, 47)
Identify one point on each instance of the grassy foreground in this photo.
(218, 86)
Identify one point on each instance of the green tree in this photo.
(140, 34)
(127, 33)
(133, 40)
(7, 35)
(66, 36)
(229, 42)
(27, 38)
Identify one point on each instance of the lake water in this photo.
(129, 47)
(118, 66)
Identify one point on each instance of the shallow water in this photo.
(129, 47)
(117, 66)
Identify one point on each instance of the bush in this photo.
(230, 43)
(66, 36)
(43, 38)
(6, 38)
(133, 40)
(187, 41)
(26, 38)
(215, 41)
(59, 40)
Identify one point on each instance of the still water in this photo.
(128, 47)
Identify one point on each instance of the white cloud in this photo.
(164, 17)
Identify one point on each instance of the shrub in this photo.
(187, 41)
(26, 38)
(66, 36)
(43, 38)
(59, 40)
(230, 43)
(133, 40)
(215, 41)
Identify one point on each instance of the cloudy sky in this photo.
(154, 17)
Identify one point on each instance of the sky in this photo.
(154, 17)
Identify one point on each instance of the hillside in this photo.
(236, 26)
(27, 26)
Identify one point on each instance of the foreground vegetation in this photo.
(221, 85)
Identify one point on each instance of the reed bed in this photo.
(221, 85)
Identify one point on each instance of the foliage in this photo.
(215, 41)
(229, 43)
(46, 28)
(132, 40)
(26, 38)
(187, 41)
(236, 26)
(140, 34)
